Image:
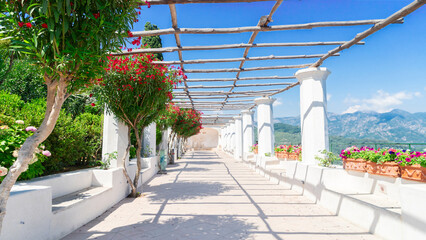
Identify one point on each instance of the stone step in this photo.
(68, 201)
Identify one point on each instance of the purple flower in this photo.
(46, 153)
(31, 128)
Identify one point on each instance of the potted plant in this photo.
(294, 152)
(254, 149)
(412, 165)
(352, 160)
(386, 165)
(281, 152)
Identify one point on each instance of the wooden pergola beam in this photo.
(165, 2)
(239, 85)
(229, 46)
(178, 44)
(271, 57)
(258, 28)
(239, 79)
(238, 70)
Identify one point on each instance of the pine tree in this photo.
(153, 41)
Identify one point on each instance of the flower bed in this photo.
(387, 162)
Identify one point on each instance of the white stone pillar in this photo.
(248, 133)
(114, 139)
(149, 140)
(313, 112)
(265, 125)
(232, 136)
(238, 153)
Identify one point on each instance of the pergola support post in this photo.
(238, 151)
(149, 140)
(248, 131)
(232, 137)
(265, 126)
(313, 112)
(114, 139)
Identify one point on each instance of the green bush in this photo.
(9, 103)
(24, 79)
(12, 136)
(74, 143)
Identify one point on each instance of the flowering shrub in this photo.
(402, 157)
(281, 148)
(12, 136)
(136, 91)
(183, 122)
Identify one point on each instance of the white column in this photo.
(149, 140)
(225, 139)
(232, 136)
(248, 133)
(313, 112)
(265, 125)
(114, 139)
(238, 153)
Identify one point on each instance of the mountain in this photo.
(394, 126)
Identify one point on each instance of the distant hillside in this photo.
(394, 126)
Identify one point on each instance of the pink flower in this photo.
(46, 153)
(31, 128)
(92, 104)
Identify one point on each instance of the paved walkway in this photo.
(208, 195)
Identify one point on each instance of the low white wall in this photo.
(29, 209)
(391, 208)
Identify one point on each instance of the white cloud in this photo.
(277, 102)
(381, 102)
(328, 96)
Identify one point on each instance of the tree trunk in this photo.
(134, 191)
(138, 158)
(56, 95)
(170, 145)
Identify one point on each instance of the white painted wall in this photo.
(392, 208)
(208, 138)
(29, 210)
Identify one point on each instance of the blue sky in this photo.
(388, 72)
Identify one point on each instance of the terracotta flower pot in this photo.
(352, 164)
(280, 155)
(293, 156)
(414, 173)
(256, 151)
(389, 169)
(371, 167)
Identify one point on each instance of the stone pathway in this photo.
(207, 195)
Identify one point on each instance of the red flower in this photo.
(21, 24)
(96, 15)
(92, 104)
(28, 25)
(129, 34)
(44, 25)
(91, 95)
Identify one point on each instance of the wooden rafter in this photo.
(271, 57)
(258, 28)
(239, 79)
(238, 70)
(230, 46)
(164, 2)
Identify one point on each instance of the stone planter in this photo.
(414, 172)
(352, 164)
(389, 169)
(293, 156)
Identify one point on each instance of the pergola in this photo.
(220, 104)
